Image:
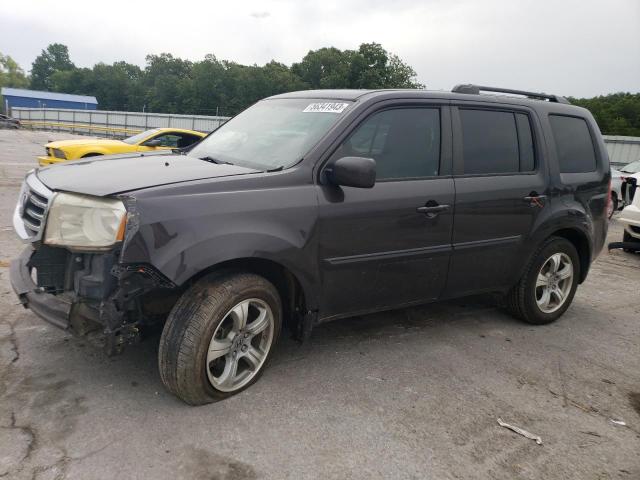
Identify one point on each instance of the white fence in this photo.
(110, 123)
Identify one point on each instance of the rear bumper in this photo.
(51, 308)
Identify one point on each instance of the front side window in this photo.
(404, 142)
(167, 140)
(574, 145)
(496, 142)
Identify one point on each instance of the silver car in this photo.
(8, 122)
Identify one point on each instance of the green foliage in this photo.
(371, 66)
(11, 75)
(173, 85)
(54, 59)
(616, 114)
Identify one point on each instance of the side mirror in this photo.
(153, 143)
(358, 172)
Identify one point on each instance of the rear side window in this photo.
(496, 142)
(404, 142)
(574, 144)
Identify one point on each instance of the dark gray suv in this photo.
(314, 206)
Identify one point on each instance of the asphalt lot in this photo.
(409, 394)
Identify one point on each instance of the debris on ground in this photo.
(618, 422)
(520, 431)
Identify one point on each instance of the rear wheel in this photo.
(219, 337)
(627, 237)
(548, 285)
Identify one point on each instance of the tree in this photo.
(325, 68)
(167, 83)
(371, 66)
(11, 75)
(55, 58)
(616, 114)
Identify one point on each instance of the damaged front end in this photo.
(86, 292)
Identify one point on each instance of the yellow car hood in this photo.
(90, 141)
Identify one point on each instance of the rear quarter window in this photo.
(574, 145)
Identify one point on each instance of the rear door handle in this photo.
(535, 200)
(432, 210)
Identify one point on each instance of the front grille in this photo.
(31, 211)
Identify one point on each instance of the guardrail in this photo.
(110, 123)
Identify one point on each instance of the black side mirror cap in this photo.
(358, 172)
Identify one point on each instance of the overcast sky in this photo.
(567, 47)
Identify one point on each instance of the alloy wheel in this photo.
(554, 282)
(240, 344)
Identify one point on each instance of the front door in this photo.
(389, 245)
(501, 183)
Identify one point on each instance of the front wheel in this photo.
(548, 285)
(219, 337)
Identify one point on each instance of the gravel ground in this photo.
(409, 394)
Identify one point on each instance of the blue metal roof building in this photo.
(18, 97)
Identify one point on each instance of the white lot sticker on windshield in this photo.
(325, 107)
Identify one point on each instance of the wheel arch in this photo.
(295, 296)
(580, 241)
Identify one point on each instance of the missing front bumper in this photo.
(92, 295)
(54, 309)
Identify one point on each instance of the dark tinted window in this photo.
(404, 142)
(491, 142)
(574, 145)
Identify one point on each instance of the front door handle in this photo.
(431, 210)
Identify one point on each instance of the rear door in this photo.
(389, 245)
(501, 181)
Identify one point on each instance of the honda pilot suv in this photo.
(314, 206)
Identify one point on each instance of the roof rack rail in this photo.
(476, 89)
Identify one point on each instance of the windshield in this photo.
(140, 137)
(633, 167)
(272, 133)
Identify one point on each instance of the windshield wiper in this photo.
(215, 160)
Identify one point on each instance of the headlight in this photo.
(59, 153)
(84, 222)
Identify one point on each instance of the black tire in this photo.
(182, 357)
(627, 237)
(521, 300)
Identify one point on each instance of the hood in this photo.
(121, 173)
(92, 141)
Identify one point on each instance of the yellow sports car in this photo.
(158, 138)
